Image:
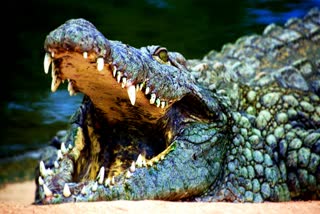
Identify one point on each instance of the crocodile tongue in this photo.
(105, 85)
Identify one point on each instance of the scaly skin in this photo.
(239, 125)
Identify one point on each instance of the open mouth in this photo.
(125, 121)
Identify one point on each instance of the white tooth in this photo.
(55, 83)
(158, 102)
(119, 76)
(66, 190)
(47, 62)
(114, 71)
(59, 155)
(147, 90)
(112, 182)
(107, 182)
(139, 161)
(85, 55)
(142, 85)
(94, 187)
(138, 87)
(52, 54)
(128, 174)
(53, 70)
(124, 82)
(40, 181)
(70, 147)
(49, 171)
(163, 104)
(100, 63)
(70, 88)
(43, 170)
(133, 167)
(132, 94)
(56, 164)
(83, 190)
(63, 148)
(47, 191)
(152, 99)
(100, 176)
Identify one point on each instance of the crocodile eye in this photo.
(161, 55)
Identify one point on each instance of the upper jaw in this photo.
(100, 68)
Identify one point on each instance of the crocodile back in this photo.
(288, 55)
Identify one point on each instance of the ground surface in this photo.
(18, 198)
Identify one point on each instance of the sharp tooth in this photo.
(59, 155)
(70, 146)
(40, 181)
(55, 83)
(124, 82)
(158, 102)
(149, 163)
(63, 148)
(53, 70)
(83, 190)
(132, 94)
(49, 171)
(139, 161)
(85, 55)
(100, 63)
(47, 191)
(114, 71)
(138, 87)
(66, 190)
(100, 176)
(70, 88)
(94, 187)
(52, 54)
(47, 62)
(133, 167)
(56, 164)
(147, 90)
(112, 182)
(107, 182)
(141, 85)
(118, 76)
(43, 170)
(163, 104)
(128, 174)
(152, 99)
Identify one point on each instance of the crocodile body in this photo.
(242, 124)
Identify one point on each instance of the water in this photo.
(31, 114)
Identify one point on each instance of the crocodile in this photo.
(239, 125)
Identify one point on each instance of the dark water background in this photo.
(31, 114)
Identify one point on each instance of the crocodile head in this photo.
(141, 128)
